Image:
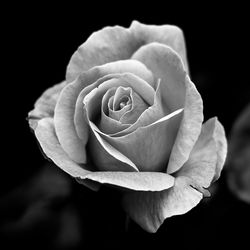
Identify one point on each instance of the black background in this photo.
(40, 41)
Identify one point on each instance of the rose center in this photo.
(123, 102)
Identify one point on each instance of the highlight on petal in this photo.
(45, 105)
(189, 130)
(45, 133)
(169, 35)
(138, 181)
(150, 210)
(128, 66)
(104, 46)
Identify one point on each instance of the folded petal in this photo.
(64, 124)
(189, 130)
(166, 65)
(105, 156)
(139, 181)
(45, 133)
(166, 34)
(45, 105)
(202, 163)
(221, 146)
(150, 209)
(46, 136)
(148, 147)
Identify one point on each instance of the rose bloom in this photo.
(128, 115)
(238, 162)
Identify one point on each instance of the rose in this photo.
(128, 115)
(238, 162)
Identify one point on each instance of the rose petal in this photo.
(45, 105)
(117, 43)
(105, 156)
(64, 124)
(119, 95)
(201, 166)
(189, 130)
(139, 181)
(166, 65)
(149, 210)
(131, 66)
(104, 46)
(148, 147)
(45, 133)
(221, 146)
(46, 136)
(166, 34)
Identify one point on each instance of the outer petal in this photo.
(45, 133)
(46, 136)
(117, 43)
(166, 64)
(45, 105)
(202, 163)
(166, 34)
(221, 145)
(104, 46)
(189, 129)
(149, 210)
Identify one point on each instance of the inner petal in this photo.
(138, 107)
(122, 94)
(109, 124)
